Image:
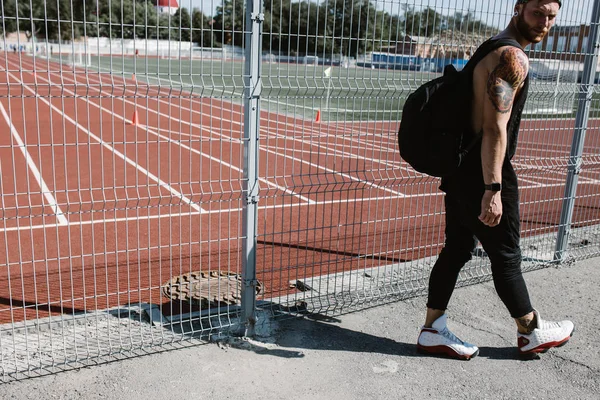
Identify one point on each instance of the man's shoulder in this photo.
(508, 56)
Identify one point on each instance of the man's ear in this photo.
(519, 8)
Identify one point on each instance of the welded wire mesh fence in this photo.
(162, 160)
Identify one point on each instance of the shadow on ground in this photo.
(317, 332)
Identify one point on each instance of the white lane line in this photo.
(359, 141)
(544, 185)
(345, 128)
(310, 128)
(531, 181)
(52, 203)
(367, 183)
(184, 87)
(226, 164)
(329, 148)
(230, 210)
(161, 183)
(353, 178)
(179, 143)
(589, 181)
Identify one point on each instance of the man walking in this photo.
(482, 199)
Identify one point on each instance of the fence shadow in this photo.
(20, 305)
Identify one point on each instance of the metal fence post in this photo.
(252, 91)
(581, 124)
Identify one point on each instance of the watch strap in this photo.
(494, 187)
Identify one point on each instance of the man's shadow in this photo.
(317, 332)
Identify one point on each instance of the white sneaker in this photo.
(546, 335)
(439, 340)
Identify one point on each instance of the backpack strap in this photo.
(487, 47)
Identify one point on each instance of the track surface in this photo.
(99, 212)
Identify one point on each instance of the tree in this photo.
(303, 28)
(183, 20)
(145, 20)
(357, 25)
(424, 23)
(340, 27)
(229, 22)
(276, 26)
(53, 20)
(8, 10)
(126, 19)
(68, 20)
(202, 32)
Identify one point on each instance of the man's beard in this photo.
(528, 32)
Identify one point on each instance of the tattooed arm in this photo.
(505, 79)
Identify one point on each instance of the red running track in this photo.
(128, 207)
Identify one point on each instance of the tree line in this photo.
(344, 27)
(126, 19)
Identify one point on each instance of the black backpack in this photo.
(435, 133)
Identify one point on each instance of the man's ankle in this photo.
(527, 323)
(432, 316)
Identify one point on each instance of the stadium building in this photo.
(166, 6)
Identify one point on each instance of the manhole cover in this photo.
(206, 289)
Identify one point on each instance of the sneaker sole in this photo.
(444, 351)
(547, 346)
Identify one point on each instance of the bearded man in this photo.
(482, 199)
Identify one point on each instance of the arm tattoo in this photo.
(506, 78)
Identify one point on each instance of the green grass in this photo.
(349, 94)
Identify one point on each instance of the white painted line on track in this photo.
(310, 128)
(230, 210)
(353, 178)
(591, 181)
(161, 183)
(290, 124)
(284, 155)
(329, 149)
(545, 185)
(536, 184)
(177, 142)
(533, 182)
(52, 203)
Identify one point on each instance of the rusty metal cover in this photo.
(206, 289)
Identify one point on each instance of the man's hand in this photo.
(491, 208)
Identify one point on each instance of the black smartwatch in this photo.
(494, 187)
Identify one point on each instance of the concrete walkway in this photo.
(368, 355)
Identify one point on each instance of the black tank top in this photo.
(518, 104)
(469, 177)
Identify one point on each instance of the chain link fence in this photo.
(173, 171)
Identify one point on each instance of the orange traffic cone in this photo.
(135, 119)
(318, 119)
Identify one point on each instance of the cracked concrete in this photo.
(369, 354)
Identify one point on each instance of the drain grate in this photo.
(207, 290)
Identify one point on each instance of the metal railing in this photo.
(170, 177)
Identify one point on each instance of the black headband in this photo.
(525, 1)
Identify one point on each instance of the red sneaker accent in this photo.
(544, 347)
(445, 350)
(522, 341)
